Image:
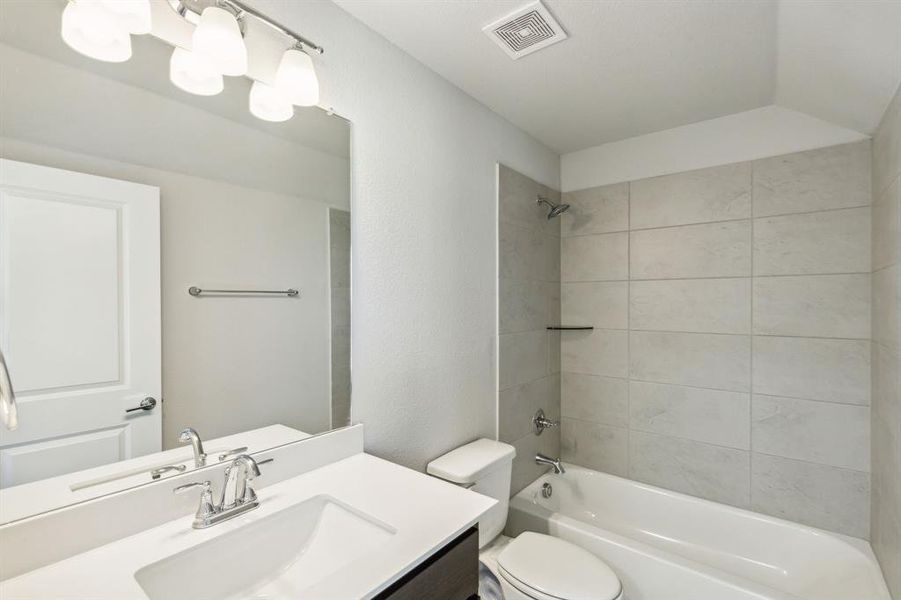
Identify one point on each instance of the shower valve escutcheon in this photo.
(541, 422)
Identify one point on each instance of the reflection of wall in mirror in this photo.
(71, 106)
(240, 207)
(232, 364)
(339, 265)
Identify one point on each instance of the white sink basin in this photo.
(274, 557)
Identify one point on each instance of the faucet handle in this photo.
(206, 485)
(157, 473)
(232, 452)
(206, 508)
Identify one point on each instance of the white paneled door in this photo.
(79, 319)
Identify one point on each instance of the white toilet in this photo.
(531, 566)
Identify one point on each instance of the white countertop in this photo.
(425, 512)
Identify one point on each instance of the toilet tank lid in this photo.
(469, 463)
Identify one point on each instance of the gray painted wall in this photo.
(424, 236)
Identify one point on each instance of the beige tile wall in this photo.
(731, 355)
(529, 300)
(886, 374)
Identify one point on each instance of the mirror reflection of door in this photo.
(241, 204)
(80, 319)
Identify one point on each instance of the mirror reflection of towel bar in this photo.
(196, 291)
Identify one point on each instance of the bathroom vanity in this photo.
(332, 522)
(452, 573)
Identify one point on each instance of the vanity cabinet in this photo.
(451, 573)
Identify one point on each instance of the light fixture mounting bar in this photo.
(239, 8)
(278, 27)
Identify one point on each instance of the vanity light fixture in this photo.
(220, 26)
(217, 39)
(133, 15)
(296, 78)
(269, 104)
(102, 29)
(194, 74)
(91, 28)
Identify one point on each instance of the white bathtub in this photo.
(669, 546)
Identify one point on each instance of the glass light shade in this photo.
(193, 74)
(296, 79)
(89, 29)
(133, 15)
(218, 40)
(267, 103)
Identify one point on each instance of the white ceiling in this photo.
(839, 61)
(631, 67)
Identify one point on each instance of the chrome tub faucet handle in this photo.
(540, 422)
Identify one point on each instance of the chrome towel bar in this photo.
(196, 291)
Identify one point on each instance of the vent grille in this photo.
(526, 30)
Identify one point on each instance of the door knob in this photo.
(147, 403)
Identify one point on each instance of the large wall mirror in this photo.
(167, 261)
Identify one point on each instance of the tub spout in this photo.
(541, 459)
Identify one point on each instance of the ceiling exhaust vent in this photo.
(525, 31)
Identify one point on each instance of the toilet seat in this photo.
(548, 568)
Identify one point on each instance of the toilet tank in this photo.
(484, 466)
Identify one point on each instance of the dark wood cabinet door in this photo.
(452, 573)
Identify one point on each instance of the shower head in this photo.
(556, 209)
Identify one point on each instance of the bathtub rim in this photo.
(523, 501)
(859, 544)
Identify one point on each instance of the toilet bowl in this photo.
(531, 566)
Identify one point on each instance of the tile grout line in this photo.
(705, 443)
(752, 217)
(628, 466)
(721, 333)
(714, 278)
(711, 389)
(751, 356)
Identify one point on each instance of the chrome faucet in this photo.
(238, 474)
(556, 463)
(191, 435)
